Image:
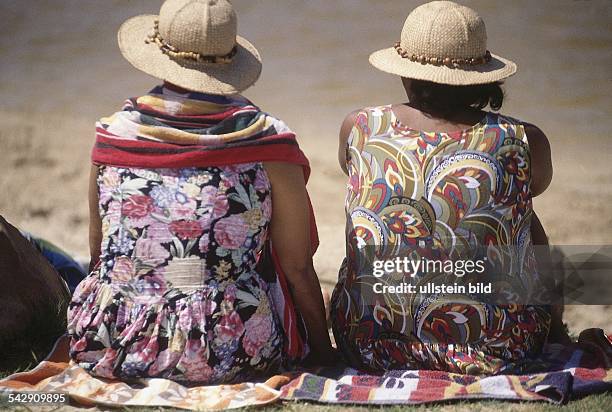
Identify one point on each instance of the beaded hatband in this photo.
(447, 61)
(172, 51)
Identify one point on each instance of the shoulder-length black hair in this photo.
(443, 99)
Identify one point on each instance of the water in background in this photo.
(61, 56)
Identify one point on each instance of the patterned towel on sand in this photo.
(574, 371)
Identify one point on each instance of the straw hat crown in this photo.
(193, 44)
(444, 42)
(444, 29)
(207, 27)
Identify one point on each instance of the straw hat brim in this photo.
(214, 78)
(498, 68)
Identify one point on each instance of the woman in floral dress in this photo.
(200, 226)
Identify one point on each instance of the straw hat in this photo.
(444, 42)
(193, 44)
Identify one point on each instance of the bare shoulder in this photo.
(284, 174)
(539, 146)
(345, 132)
(347, 125)
(535, 136)
(541, 158)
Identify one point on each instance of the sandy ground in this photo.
(44, 171)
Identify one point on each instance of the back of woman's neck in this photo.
(416, 117)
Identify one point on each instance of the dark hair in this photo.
(443, 99)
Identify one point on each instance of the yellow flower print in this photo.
(253, 218)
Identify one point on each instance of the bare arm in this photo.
(345, 132)
(541, 161)
(557, 332)
(541, 176)
(95, 222)
(290, 231)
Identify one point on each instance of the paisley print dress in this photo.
(439, 196)
(177, 293)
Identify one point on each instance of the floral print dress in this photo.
(177, 293)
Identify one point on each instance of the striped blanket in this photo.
(573, 371)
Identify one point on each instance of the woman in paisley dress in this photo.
(200, 228)
(439, 178)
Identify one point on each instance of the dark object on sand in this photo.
(33, 299)
(68, 268)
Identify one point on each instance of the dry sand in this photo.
(44, 173)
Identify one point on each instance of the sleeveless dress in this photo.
(438, 196)
(177, 293)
